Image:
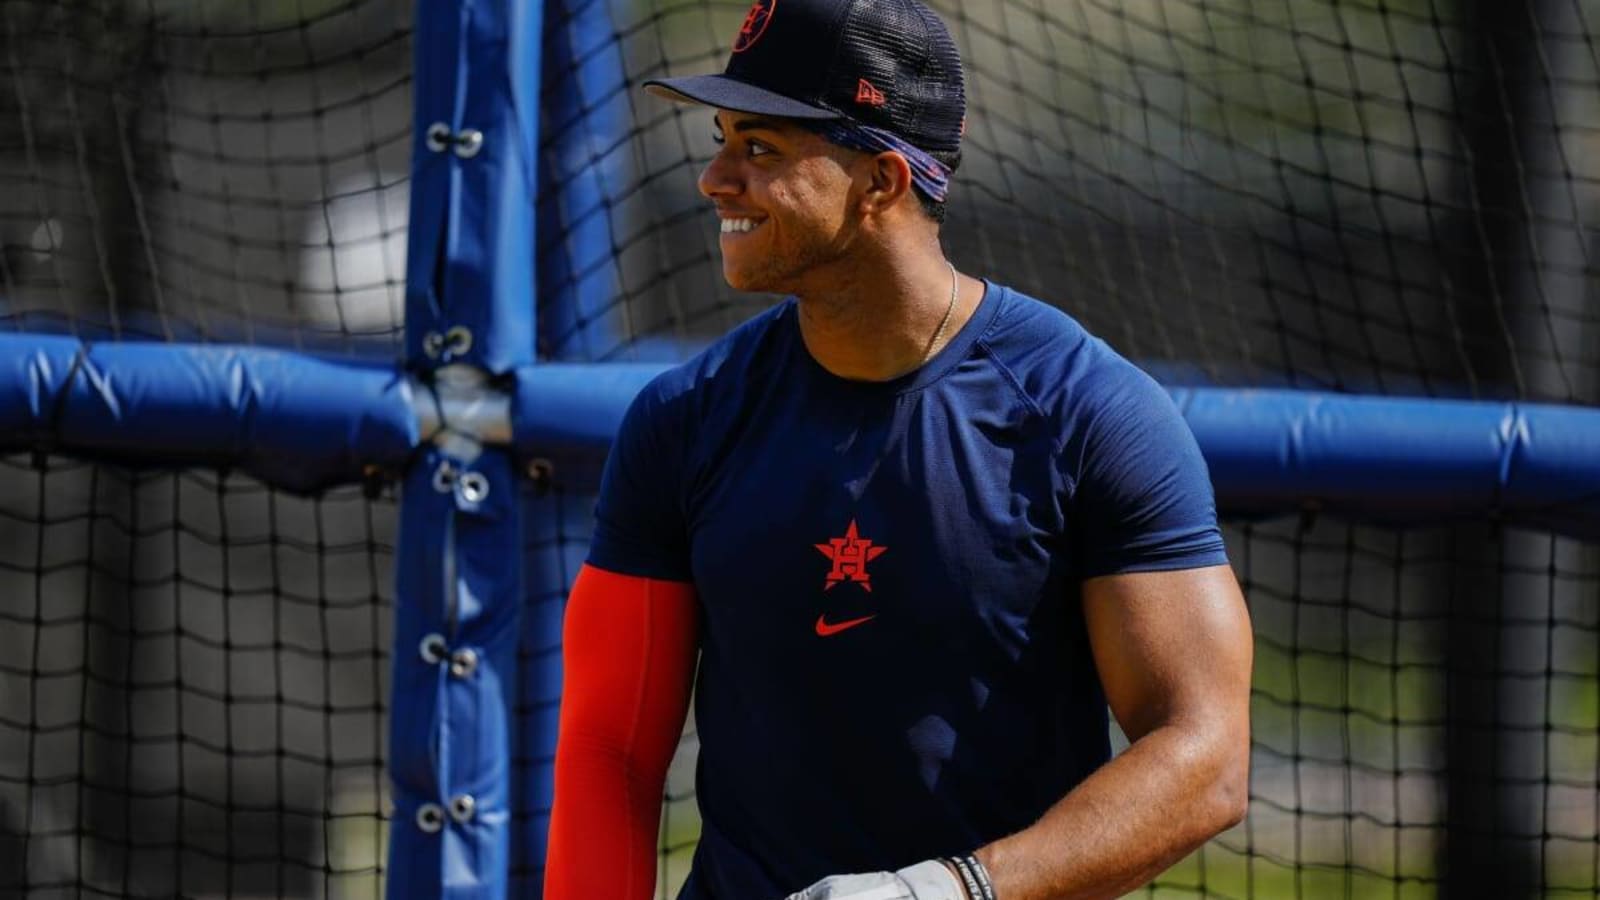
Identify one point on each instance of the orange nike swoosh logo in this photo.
(826, 630)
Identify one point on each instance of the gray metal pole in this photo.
(1520, 285)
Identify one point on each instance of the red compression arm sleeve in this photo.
(629, 647)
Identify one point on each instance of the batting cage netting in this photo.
(1386, 197)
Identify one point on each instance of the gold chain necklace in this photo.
(944, 322)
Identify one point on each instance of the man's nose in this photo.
(719, 177)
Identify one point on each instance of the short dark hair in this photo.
(950, 159)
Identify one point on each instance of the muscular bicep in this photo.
(1172, 648)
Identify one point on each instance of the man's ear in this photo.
(888, 180)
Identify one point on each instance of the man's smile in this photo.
(740, 226)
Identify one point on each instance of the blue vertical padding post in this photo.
(586, 163)
(469, 302)
(454, 677)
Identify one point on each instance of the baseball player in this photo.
(907, 535)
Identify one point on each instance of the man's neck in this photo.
(882, 323)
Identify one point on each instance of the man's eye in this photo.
(717, 138)
(759, 149)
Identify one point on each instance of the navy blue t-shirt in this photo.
(894, 663)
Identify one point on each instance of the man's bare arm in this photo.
(1174, 652)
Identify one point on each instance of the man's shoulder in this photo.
(1062, 367)
(724, 365)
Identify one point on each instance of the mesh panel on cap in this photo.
(903, 50)
(943, 101)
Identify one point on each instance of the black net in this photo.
(208, 171)
(196, 673)
(1359, 787)
(1391, 196)
(194, 669)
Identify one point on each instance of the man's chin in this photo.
(743, 280)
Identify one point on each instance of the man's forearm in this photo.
(629, 649)
(1146, 809)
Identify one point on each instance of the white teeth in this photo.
(729, 226)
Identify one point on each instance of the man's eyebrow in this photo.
(757, 123)
(760, 125)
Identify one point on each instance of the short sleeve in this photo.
(1142, 499)
(639, 518)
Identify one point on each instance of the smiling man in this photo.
(917, 529)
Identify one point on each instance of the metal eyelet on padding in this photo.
(433, 649)
(430, 817)
(463, 662)
(439, 137)
(433, 344)
(444, 477)
(462, 806)
(457, 341)
(468, 143)
(474, 487)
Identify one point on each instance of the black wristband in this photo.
(973, 876)
(969, 883)
(983, 879)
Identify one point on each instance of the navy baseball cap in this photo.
(889, 64)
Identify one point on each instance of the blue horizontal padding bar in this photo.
(574, 408)
(307, 423)
(1399, 460)
(298, 422)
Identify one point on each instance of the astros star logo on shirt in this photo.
(850, 555)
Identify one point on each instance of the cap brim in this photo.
(728, 93)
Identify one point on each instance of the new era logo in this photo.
(871, 96)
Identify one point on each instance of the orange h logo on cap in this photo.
(755, 24)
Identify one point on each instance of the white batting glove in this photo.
(930, 880)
